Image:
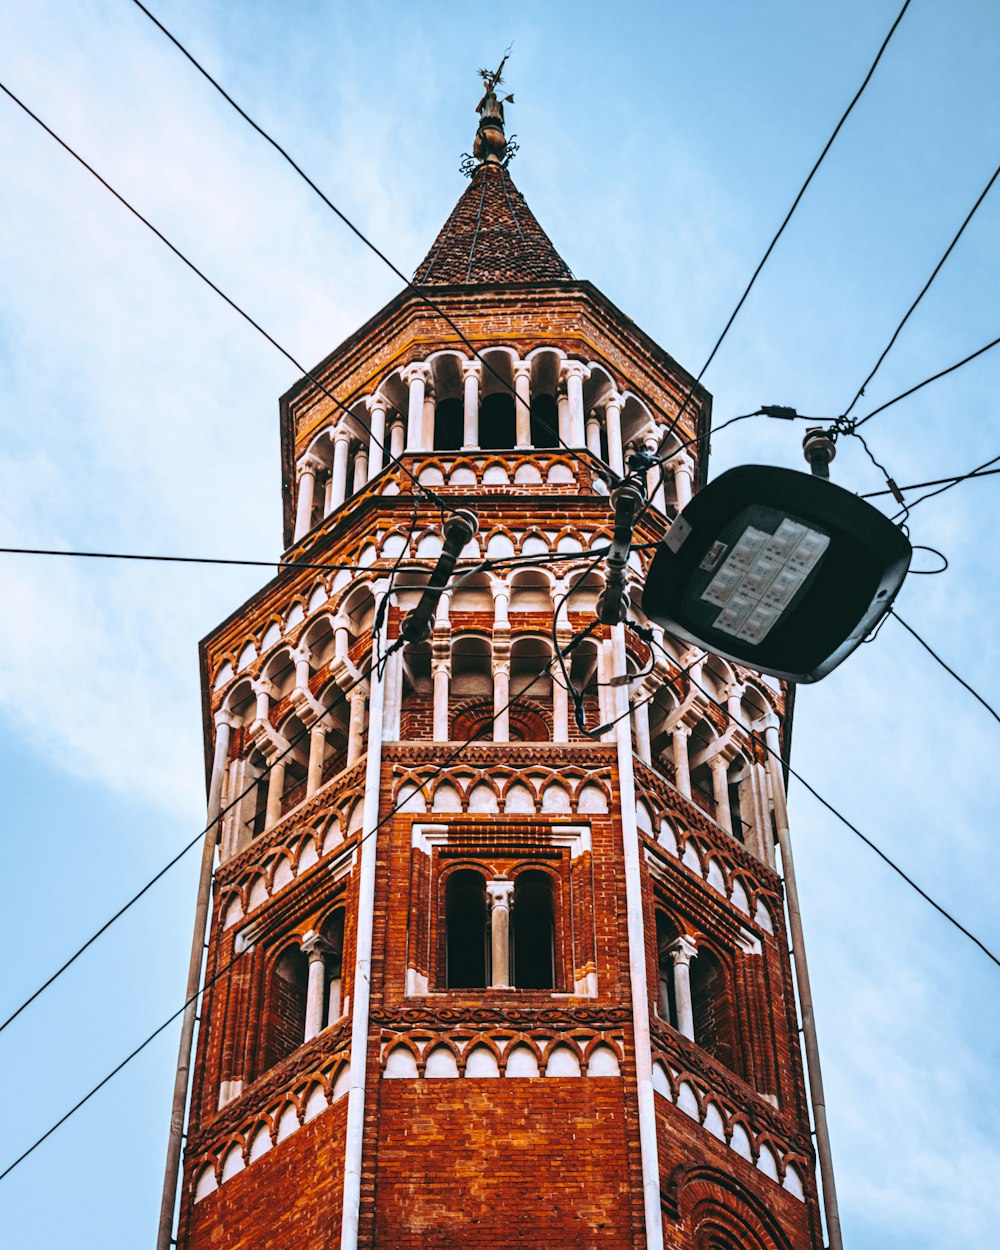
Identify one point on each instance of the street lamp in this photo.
(778, 570)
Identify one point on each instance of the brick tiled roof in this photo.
(492, 236)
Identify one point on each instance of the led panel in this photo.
(779, 570)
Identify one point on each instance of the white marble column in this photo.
(501, 700)
(430, 409)
(682, 952)
(306, 472)
(605, 694)
(562, 411)
(338, 474)
(317, 758)
(356, 725)
(654, 476)
(522, 405)
(275, 792)
(264, 691)
(224, 725)
(594, 434)
(613, 426)
(500, 893)
(376, 439)
(360, 470)
(416, 377)
(397, 436)
(682, 768)
(683, 478)
(472, 371)
(574, 372)
(734, 702)
(640, 718)
(341, 638)
(560, 708)
(441, 669)
(720, 788)
(315, 948)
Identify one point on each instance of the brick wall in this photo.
(470, 1164)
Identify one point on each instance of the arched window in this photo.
(712, 1008)
(285, 1022)
(448, 425)
(466, 920)
(544, 421)
(496, 422)
(533, 931)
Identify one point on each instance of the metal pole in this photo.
(164, 1237)
(805, 993)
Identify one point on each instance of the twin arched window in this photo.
(480, 935)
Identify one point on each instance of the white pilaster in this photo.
(682, 952)
(500, 893)
(522, 409)
(613, 426)
(338, 476)
(305, 473)
(376, 440)
(416, 377)
(472, 371)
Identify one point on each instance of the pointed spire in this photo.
(492, 236)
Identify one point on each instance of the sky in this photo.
(661, 145)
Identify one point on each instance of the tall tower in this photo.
(491, 964)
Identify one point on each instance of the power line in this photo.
(939, 481)
(844, 820)
(418, 486)
(947, 667)
(292, 743)
(923, 291)
(552, 557)
(926, 382)
(439, 769)
(788, 216)
(410, 285)
(951, 482)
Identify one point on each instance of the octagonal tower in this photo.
(490, 965)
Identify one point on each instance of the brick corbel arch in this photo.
(718, 1213)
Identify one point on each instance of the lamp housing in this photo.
(778, 570)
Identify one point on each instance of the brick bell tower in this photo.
(476, 977)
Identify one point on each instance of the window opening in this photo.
(448, 425)
(533, 931)
(466, 928)
(712, 1008)
(496, 422)
(286, 1012)
(544, 421)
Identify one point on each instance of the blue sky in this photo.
(661, 145)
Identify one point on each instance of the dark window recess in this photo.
(448, 425)
(466, 920)
(496, 422)
(666, 935)
(736, 811)
(544, 421)
(260, 806)
(533, 931)
(714, 1026)
(285, 1025)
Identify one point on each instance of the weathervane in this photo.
(491, 146)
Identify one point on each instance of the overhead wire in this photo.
(912, 308)
(869, 842)
(941, 373)
(788, 216)
(946, 666)
(365, 426)
(438, 770)
(230, 805)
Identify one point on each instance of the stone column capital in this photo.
(342, 434)
(308, 464)
(377, 402)
(500, 891)
(682, 951)
(314, 946)
(521, 369)
(225, 719)
(614, 399)
(260, 685)
(416, 372)
(472, 369)
(301, 654)
(574, 369)
(358, 693)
